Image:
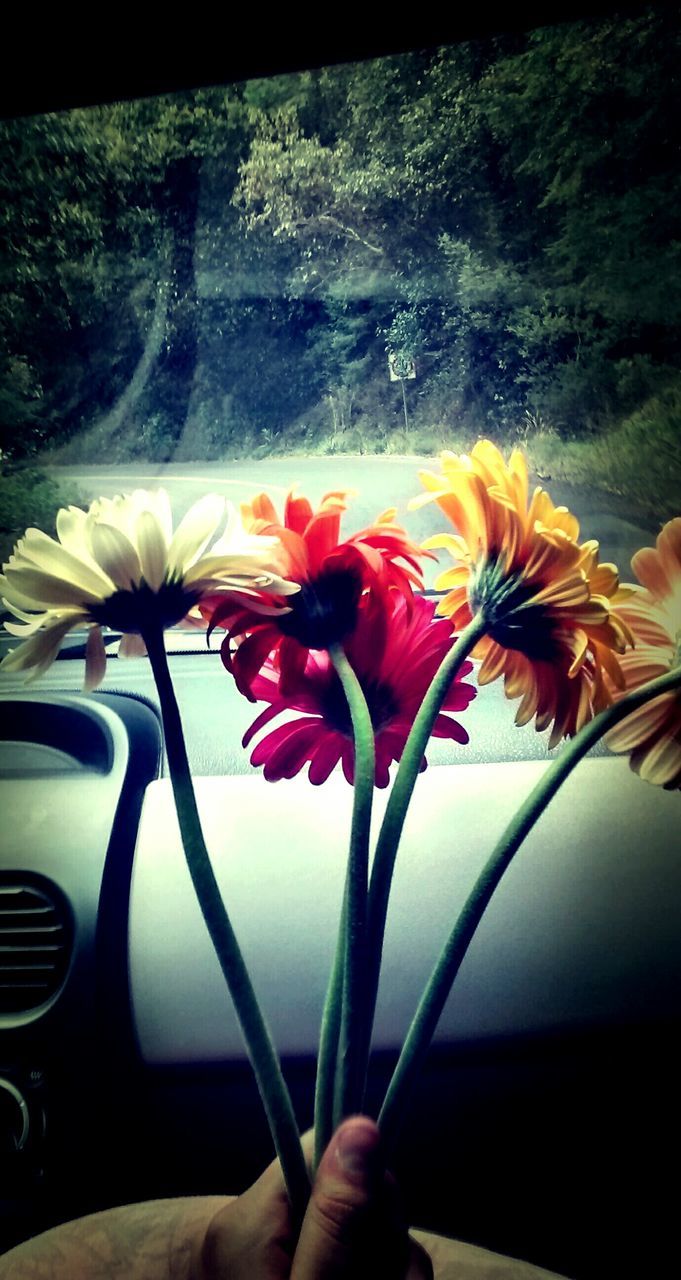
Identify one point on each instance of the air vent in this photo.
(35, 944)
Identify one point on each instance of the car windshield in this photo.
(325, 277)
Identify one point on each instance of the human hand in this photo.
(352, 1227)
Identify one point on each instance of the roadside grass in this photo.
(639, 460)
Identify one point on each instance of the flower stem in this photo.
(328, 1045)
(439, 986)
(396, 809)
(350, 1069)
(271, 1083)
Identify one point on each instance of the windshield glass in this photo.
(328, 276)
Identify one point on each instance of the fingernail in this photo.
(357, 1148)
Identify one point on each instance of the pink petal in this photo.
(261, 720)
(348, 762)
(284, 751)
(326, 758)
(249, 657)
(459, 697)
(445, 727)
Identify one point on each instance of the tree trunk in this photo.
(173, 377)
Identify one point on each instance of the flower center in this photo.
(499, 596)
(380, 700)
(140, 608)
(324, 611)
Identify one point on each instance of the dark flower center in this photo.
(324, 611)
(381, 701)
(140, 608)
(499, 595)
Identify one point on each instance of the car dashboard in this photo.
(122, 1070)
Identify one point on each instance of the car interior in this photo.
(544, 1126)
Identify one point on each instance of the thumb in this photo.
(351, 1228)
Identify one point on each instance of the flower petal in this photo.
(116, 554)
(71, 529)
(153, 550)
(95, 660)
(38, 550)
(47, 590)
(39, 652)
(132, 646)
(194, 533)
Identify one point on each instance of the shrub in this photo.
(28, 496)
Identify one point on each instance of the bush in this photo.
(28, 496)
(639, 459)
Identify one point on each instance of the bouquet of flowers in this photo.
(356, 667)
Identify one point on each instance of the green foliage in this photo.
(639, 460)
(220, 273)
(28, 497)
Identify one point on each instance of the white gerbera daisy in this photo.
(120, 565)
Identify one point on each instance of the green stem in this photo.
(350, 1069)
(439, 986)
(398, 803)
(328, 1046)
(271, 1083)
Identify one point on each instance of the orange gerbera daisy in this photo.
(546, 600)
(336, 579)
(653, 613)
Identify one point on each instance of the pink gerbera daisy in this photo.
(394, 668)
(338, 580)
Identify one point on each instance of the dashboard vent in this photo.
(35, 944)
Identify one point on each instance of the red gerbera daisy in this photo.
(338, 581)
(394, 675)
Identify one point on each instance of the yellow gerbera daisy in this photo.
(120, 565)
(545, 599)
(653, 613)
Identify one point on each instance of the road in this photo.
(379, 482)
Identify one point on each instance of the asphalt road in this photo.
(379, 482)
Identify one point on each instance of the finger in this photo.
(251, 1236)
(341, 1197)
(351, 1228)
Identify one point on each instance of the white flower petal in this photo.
(95, 660)
(40, 651)
(14, 600)
(46, 590)
(36, 548)
(235, 572)
(120, 512)
(132, 646)
(158, 504)
(153, 550)
(71, 529)
(194, 533)
(31, 623)
(116, 554)
(237, 541)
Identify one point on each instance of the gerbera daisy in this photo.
(653, 613)
(338, 580)
(394, 676)
(544, 598)
(120, 565)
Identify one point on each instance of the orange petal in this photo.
(649, 569)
